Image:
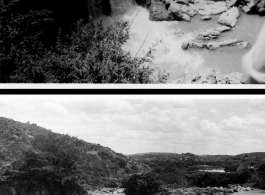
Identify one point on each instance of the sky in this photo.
(139, 124)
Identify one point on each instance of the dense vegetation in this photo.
(48, 44)
(33, 154)
(51, 162)
(145, 183)
(181, 170)
(33, 158)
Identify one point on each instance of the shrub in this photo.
(22, 37)
(91, 53)
(139, 184)
(54, 165)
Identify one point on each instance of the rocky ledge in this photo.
(206, 191)
(209, 76)
(230, 189)
(169, 10)
(214, 44)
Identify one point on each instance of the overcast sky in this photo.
(138, 124)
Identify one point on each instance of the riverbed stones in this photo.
(205, 77)
(233, 78)
(229, 18)
(208, 35)
(209, 76)
(206, 17)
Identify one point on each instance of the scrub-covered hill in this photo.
(20, 143)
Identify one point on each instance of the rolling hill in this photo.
(100, 163)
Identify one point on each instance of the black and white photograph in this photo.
(132, 145)
(132, 42)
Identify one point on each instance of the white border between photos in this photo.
(128, 86)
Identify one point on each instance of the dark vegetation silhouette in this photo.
(64, 42)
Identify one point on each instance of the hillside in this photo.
(182, 157)
(257, 155)
(100, 163)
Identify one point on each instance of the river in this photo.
(164, 40)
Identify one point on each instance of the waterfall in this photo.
(159, 40)
(120, 7)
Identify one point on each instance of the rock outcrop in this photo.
(233, 78)
(168, 10)
(213, 44)
(208, 35)
(210, 7)
(158, 12)
(229, 18)
(209, 77)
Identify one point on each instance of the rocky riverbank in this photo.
(229, 11)
(231, 189)
(209, 76)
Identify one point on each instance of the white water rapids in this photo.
(163, 40)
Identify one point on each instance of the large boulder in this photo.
(179, 11)
(158, 12)
(168, 10)
(229, 18)
(190, 10)
(210, 7)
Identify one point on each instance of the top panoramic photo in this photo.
(132, 41)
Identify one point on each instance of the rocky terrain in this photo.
(231, 189)
(229, 12)
(209, 76)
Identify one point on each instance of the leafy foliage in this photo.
(55, 165)
(145, 183)
(260, 180)
(23, 143)
(89, 53)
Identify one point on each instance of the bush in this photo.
(22, 37)
(91, 53)
(54, 165)
(260, 182)
(139, 184)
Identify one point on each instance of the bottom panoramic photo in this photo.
(132, 145)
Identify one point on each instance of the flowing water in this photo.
(162, 40)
